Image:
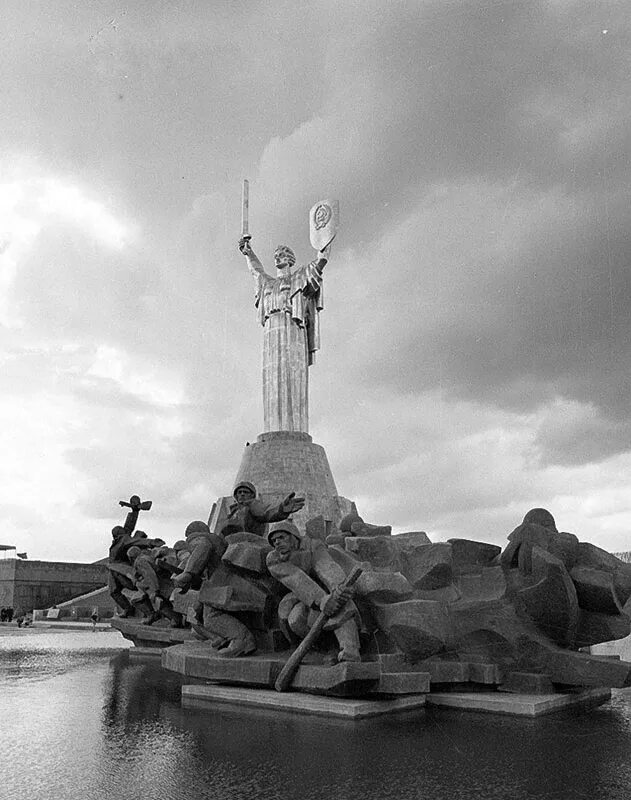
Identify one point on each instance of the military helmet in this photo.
(196, 527)
(541, 516)
(287, 526)
(244, 485)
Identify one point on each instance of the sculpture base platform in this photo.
(280, 462)
(145, 654)
(520, 705)
(316, 675)
(200, 661)
(208, 696)
(154, 636)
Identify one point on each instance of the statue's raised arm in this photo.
(253, 261)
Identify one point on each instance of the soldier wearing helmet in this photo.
(152, 574)
(249, 513)
(305, 567)
(205, 550)
(120, 572)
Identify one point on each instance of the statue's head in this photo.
(284, 537)
(244, 492)
(133, 553)
(284, 257)
(541, 516)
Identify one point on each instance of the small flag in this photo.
(21, 555)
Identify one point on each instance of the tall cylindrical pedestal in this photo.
(280, 462)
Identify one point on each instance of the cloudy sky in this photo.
(476, 341)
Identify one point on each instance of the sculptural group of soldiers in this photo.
(257, 573)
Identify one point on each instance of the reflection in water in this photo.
(81, 723)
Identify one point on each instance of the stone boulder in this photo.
(420, 628)
(426, 566)
(379, 550)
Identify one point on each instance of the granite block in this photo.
(522, 705)
(298, 703)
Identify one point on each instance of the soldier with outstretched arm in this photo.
(249, 513)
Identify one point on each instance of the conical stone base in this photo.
(280, 462)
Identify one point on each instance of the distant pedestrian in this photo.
(3, 614)
(94, 616)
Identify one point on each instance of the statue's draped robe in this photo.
(288, 307)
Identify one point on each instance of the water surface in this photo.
(80, 722)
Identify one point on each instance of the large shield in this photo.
(324, 219)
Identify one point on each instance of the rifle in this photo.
(293, 662)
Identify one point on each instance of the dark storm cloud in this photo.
(547, 317)
(447, 92)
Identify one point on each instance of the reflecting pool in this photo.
(80, 722)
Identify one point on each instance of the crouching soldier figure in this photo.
(204, 554)
(304, 566)
(198, 557)
(152, 573)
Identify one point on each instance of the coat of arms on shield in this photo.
(324, 219)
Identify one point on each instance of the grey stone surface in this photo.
(595, 589)
(283, 461)
(526, 683)
(419, 627)
(469, 555)
(380, 587)
(395, 662)
(297, 703)
(319, 528)
(411, 539)
(427, 566)
(447, 671)
(379, 550)
(594, 627)
(619, 649)
(199, 660)
(337, 678)
(158, 635)
(145, 654)
(551, 601)
(403, 683)
(522, 705)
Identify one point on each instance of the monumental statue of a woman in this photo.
(288, 306)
